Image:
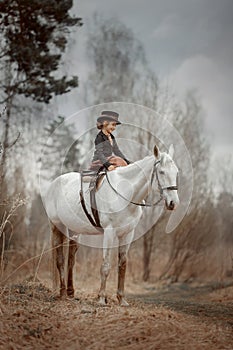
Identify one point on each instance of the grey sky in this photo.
(188, 43)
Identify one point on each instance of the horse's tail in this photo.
(57, 239)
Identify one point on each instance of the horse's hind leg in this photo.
(58, 239)
(73, 247)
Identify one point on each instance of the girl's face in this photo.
(109, 127)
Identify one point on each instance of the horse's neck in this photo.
(138, 174)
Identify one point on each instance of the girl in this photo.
(107, 152)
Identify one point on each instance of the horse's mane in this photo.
(164, 159)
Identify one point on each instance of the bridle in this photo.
(161, 189)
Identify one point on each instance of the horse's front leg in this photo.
(105, 267)
(122, 261)
(73, 247)
(104, 272)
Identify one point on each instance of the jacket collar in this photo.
(105, 136)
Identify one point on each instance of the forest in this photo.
(37, 144)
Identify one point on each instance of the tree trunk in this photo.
(147, 249)
(5, 144)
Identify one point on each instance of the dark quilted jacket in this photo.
(104, 149)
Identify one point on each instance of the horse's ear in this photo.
(171, 151)
(156, 152)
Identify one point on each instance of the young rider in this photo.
(107, 152)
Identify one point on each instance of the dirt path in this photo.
(197, 301)
(177, 317)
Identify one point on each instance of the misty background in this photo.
(187, 43)
(174, 58)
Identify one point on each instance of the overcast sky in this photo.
(188, 43)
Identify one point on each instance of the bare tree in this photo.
(117, 58)
(191, 232)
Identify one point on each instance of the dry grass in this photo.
(9, 210)
(31, 316)
(35, 319)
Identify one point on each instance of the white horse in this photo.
(117, 201)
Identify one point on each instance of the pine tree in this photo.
(61, 151)
(34, 36)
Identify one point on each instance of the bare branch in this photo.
(14, 142)
(3, 111)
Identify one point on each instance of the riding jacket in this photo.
(104, 149)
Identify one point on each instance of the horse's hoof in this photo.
(62, 297)
(70, 293)
(123, 302)
(102, 301)
(63, 294)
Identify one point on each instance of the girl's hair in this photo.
(100, 124)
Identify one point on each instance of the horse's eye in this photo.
(161, 172)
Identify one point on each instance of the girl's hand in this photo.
(111, 167)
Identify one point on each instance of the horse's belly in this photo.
(75, 219)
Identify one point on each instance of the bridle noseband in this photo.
(161, 189)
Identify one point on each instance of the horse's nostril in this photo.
(172, 205)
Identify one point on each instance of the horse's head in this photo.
(166, 173)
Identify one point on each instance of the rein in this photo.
(161, 189)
